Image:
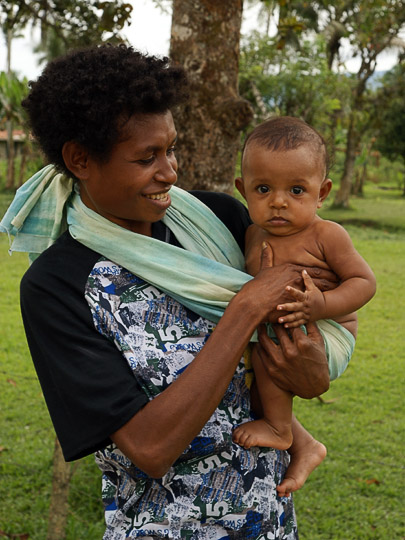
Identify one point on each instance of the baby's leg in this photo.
(274, 429)
(306, 454)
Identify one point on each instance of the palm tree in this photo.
(12, 91)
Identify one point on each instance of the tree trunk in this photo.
(343, 194)
(23, 165)
(10, 156)
(205, 40)
(263, 110)
(335, 115)
(403, 191)
(9, 37)
(360, 178)
(59, 507)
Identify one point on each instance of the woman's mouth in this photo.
(158, 196)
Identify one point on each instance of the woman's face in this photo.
(132, 188)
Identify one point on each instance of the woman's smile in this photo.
(158, 196)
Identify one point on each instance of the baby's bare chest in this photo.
(302, 249)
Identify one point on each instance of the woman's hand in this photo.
(298, 364)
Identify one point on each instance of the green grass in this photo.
(379, 209)
(26, 432)
(356, 494)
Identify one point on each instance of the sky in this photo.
(149, 32)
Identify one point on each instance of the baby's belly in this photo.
(301, 257)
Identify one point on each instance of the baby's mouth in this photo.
(278, 219)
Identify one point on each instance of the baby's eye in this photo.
(263, 189)
(297, 190)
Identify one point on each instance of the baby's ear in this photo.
(324, 191)
(240, 186)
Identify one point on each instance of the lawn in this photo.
(26, 433)
(354, 495)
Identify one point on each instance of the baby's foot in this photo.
(261, 433)
(303, 461)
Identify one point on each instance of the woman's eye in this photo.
(146, 161)
(171, 150)
(263, 189)
(297, 190)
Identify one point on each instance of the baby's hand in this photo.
(308, 307)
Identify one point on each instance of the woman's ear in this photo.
(76, 159)
(326, 186)
(240, 186)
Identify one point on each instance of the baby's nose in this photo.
(278, 200)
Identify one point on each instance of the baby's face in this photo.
(283, 188)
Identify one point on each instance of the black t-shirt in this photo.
(88, 386)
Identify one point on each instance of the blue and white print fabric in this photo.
(216, 489)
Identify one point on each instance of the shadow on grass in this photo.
(371, 224)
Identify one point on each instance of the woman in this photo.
(120, 319)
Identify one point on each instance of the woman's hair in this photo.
(288, 133)
(88, 96)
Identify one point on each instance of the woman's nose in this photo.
(167, 172)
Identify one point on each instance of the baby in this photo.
(284, 181)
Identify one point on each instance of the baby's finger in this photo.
(296, 293)
(309, 284)
(293, 319)
(296, 324)
(293, 306)
(297, 315)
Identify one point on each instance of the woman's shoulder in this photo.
(64, 263)
(233, 214)
(220, 203)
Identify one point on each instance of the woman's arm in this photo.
(157, 435)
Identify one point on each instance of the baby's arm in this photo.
(357, 285)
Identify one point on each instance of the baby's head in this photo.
(284, 175)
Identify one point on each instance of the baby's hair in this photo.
(88, 96)
(287, 133)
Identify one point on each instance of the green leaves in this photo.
(391, 132)
(76, 22)
(12, 91)
(293, 82)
